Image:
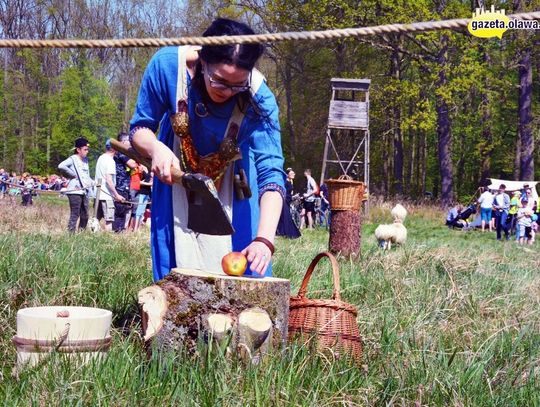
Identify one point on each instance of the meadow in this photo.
(449, 319)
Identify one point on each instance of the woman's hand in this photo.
(162, 161)
(259, 255)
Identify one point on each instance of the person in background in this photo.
(502, 206)
(486, 205)
(325, 203)
(27, 184)
(289, 186)
(531, 202)
(523, 191)
(515, 204)
(106, 173)
(76, 168)
(4, 179)
(136, 175)
(452, 217)
(144, 196)
(286, 226)
(524, 221)
(312, 190)
(13, 189)
(122, 208)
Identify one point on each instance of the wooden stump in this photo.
(345, 233)
(188, 305)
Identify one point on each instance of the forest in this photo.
(447, 110)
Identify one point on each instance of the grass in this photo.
(451, 318)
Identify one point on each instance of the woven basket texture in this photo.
(331, 323)
(345, 194)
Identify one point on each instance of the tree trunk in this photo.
(386, 166)
(486, 150)
(443, 129)
(517, 158)
(423, 170)
(525, 116)
(5, 129)
(396, 126)
(287, 82)
(189, 305)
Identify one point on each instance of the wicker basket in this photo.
(345, 193)
(331, 323)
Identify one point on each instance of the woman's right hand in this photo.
(162, 161)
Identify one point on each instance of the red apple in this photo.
(234, 264)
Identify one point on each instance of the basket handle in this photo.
(345, 176)
(335, 274)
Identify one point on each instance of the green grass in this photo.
(451, 318)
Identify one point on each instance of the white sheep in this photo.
(395, 232)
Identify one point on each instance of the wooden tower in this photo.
(348, 131)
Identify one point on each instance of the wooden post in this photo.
(188, 305)
(345, 233)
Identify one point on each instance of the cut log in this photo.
(345, 233)
(189, 305)
(219, 326)
(254, 332)
(153, 305)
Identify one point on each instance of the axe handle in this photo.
(135, 155)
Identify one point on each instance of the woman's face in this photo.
(223, 81)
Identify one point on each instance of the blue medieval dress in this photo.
(164, 81)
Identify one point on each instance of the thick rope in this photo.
(257, 38)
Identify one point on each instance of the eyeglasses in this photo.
(216, 84)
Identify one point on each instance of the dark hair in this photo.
(122, 136)
(502, 186)
(243, 56)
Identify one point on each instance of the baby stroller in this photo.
(461, 219)
(464, 215)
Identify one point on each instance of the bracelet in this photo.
(267, 242)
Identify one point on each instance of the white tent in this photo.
(512, 186)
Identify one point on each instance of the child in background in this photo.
(524, 220)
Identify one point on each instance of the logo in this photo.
(488, 24)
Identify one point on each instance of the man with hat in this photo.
(76, 169)
(106, 173)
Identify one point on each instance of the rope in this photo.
(256, 38)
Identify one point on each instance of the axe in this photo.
(205, 212)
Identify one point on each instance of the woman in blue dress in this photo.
(216, 116)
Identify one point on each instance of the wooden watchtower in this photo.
(348, 131)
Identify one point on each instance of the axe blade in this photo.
(205, 211)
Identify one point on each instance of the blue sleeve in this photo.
(153, 100)
(265, 144)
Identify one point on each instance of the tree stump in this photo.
(345, 233)
(189, 305)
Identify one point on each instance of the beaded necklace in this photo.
(212, 165)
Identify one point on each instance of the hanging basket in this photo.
(331, 323)
(345, 194)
